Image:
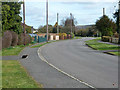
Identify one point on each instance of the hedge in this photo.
(23, 37)
(0, 43)
(106, 38)
(14, 38)
(11, 38)
(7, 39)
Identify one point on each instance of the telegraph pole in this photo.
(119, 22)
(71, 22)
(32, 30)
(103, 11)
(24, 20)
(47, 18)
(57, 23)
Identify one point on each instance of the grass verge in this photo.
(39, 45)
(115, 53)
(77, 37)
(13, 50)
(101, 46)
(0, 74)
(14, 76)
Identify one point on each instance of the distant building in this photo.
(84, 26)
(33, 35)
(35, 31)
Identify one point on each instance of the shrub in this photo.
(72, 35)
(27, 38)
(65, 37)
(7, 39)
(14, 38)
(62, 35)
(116, 35)
(68, 36)
(21, 39)
(0, 43)
(106, 38)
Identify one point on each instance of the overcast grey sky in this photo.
(85, 12)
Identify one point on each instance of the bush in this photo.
(68, 36)
(21, 39)
(0, 43)
(106, 38)
(7, 39)
(72, 35)
(116, 35)
(62, 35)
(65, 37)
(14, 38)
(28, 39)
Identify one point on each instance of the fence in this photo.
(40, 39)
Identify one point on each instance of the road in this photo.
(44, 74)
(75, 58)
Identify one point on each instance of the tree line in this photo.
(104, 26)
(65, 26)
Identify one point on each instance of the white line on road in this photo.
(43, 59)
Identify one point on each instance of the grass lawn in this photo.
(15, 76)
(101, 46)
(115, 53)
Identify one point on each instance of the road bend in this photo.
(75, 58)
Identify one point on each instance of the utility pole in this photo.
(119, 23)
(103, 11)
(57, 23)
(47, 18)
(71, 22)
(32, 30)
(24, 20)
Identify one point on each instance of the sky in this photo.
(86, 12)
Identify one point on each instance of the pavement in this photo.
(9, 57)
(45, 74)
(75, 58)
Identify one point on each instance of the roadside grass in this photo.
(0, 52)
(115, 53)
(0, 74)
(77, 37)
(13, 50)
(15, 76)
(39, 45)
(101, 46)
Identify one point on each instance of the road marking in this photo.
(43, 59)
